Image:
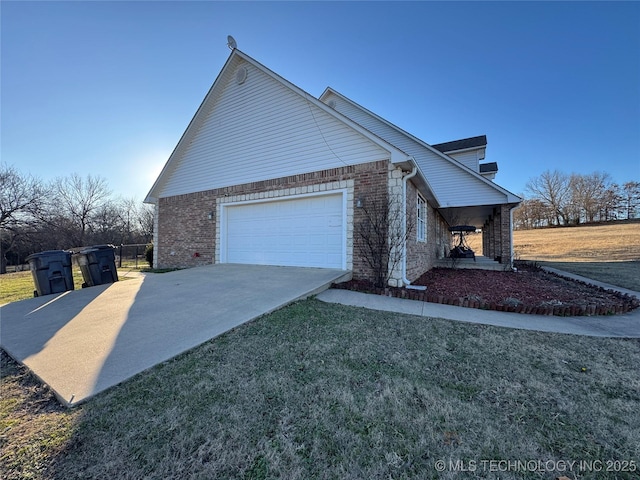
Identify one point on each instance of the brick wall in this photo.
(496, 235)
(419, 254)
(371, 188)
(186, 224)
(505, 234)
(185, 233)
(443, 239)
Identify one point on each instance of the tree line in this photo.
(67, 212)
(556, 199)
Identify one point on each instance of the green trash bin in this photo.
(51, 272)
(98, 265)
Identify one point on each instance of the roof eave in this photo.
(509, 196)
(396, 156)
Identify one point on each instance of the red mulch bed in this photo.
(529, 290)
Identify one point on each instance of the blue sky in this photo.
(108, 88)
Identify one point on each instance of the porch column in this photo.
(491, 253)
(497, 236)
(485, 239)
(505, 234)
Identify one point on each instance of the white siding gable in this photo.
(468, 158)
(258, 129)
(453, 183)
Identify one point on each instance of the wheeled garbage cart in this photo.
(98, 265)
(51, 272)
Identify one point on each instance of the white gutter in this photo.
(405, 280)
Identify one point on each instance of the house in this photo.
(267, 174)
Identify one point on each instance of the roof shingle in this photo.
(479, 141)
(490, 167)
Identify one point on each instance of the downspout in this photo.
(405, 280)
(511, 238)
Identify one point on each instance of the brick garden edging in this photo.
(625, 304)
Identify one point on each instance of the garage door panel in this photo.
(306, 231)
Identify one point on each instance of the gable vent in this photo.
(241, 75)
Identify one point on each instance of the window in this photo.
(421, 221)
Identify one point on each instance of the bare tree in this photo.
(107, 225)
(128, 212)
(68, 212)
(145, 217)
(590, 196)
(136, 221)
(553, 189)
(524, 216)
(560, 199)
(631, 198)
(75, 202)
(611, 203)
(20, 196)
(381, 236)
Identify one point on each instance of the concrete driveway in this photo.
(85, 341)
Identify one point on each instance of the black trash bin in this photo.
(98, 265)
(51, 272)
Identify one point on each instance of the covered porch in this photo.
(495, 222)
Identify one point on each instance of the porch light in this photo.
(210, 216)
(359, 202)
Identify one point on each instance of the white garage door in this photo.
(305, 232)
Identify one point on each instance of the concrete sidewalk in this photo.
(84, 341)
(620, 326)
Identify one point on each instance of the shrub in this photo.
(148, 254)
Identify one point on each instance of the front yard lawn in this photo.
(321, 391)
(20, 285)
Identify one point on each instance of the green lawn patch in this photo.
(622, 274)
(20, 285)
(317, 391)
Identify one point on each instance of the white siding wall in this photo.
(470, 159)
(453, 185)
(258, 130)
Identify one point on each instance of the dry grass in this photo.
(600, 243)
(609, 253)
(319, 391)
(34, 427)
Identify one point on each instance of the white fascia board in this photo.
(510, 197)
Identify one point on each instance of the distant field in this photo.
(609, 253)
(603, 243)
